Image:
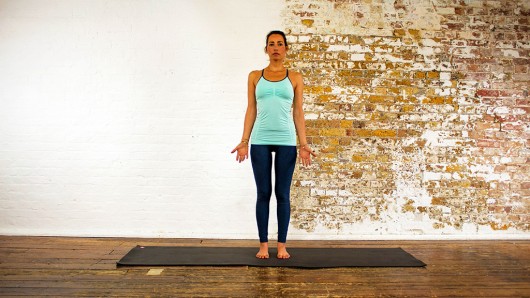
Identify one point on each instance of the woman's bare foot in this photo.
(282, 251)
(263, 252)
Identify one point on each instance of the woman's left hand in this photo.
(305, 155)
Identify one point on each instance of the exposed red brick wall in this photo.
(419, 113)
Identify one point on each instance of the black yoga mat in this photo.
(245, 256)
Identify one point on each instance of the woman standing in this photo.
(272, 92)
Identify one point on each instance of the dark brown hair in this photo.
(276, 32)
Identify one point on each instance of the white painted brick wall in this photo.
(117, 117)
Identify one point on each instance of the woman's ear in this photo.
(265, 49)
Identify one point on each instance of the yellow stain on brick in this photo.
(346, 123)
(449, 100)
(457, 184)
(409, 207)
(332, 132)
(328, 149)
(396, 74)
(326, 166)
(394, 90)
(406, 90)
(406, 99)
(383, 117)
(362, 132)
(344, 73)
(309, 47)
(438, 201)
(310, 131)
(409, 149)
(408, 108)
(419, 75)
(434, 100)
(421, 142)
(415, 33)
(453, 168)
(324, 123)
(404, 82)
(422, 209)
(438, 225)
(345, 141)
(310, 123)
(334, 142)
(356, 174)
(308, 23)
(318, 89)
(499, 226)
(326, 98)
(383, 91)
(305, 56)
(433, 75)
(357, 158)
(399, 32)
(403, 133)
(434, 124)
(384, 133)
(371, 73)
(391, 65)
(383, 158)
(344, 55)
(465, 183)
(359, 73)
(431, 92)
(380, 98)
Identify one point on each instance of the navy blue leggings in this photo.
(284, 163)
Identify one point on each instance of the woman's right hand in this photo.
(242, 152)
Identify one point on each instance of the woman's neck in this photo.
(276, 66)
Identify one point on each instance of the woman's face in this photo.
(276, 48)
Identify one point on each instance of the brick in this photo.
(432, 108)
(332, 132)
(487, 93)
(380, 99)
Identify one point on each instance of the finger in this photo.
(311, 151)
(237, 148)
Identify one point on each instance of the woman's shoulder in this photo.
(294, 75)
(254, 74)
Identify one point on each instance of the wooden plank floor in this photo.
(73, 267)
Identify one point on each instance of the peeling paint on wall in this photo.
(419, 113)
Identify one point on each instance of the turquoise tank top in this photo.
(274, 123)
